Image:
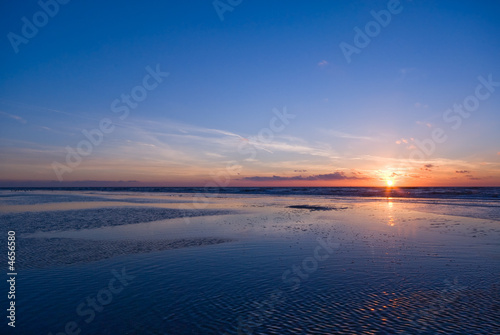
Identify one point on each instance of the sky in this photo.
(250, 93)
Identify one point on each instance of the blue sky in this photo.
(355, 123)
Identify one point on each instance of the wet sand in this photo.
(50, 252)
(259, 264)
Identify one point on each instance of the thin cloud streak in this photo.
(14, 117)
(340, 134)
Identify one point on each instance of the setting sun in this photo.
(390, 182)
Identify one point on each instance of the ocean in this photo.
(483, 193)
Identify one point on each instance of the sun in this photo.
(390, 182)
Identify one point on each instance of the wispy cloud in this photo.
(419, 105)
(403, 140)
(278, 146)
(410, 73)
(14, 117)
(24, 106)
(44, 128)
(226, 141)
(340, 134)
(426, 124)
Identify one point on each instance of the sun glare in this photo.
(390, 182)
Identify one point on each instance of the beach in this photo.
(275, 262)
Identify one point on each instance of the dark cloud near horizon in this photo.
(462, 171)
(324, 177)
(428, 167)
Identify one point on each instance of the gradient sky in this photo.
(356, 123)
